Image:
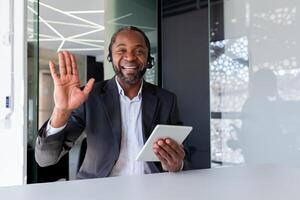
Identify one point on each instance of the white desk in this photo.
(266, 182)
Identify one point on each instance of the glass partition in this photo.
(32, 79)
(54, 26)
(81, 28)
(254, 82)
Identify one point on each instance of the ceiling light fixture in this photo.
(86, 12)
(93, 45)
(71, 15)
(82, 49)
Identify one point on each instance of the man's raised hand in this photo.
(67, 93)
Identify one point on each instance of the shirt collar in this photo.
(121, 91)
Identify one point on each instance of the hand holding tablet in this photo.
(176, 133)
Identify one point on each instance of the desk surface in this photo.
(267, 182)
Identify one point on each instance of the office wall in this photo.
(13, 82)
(185, 71)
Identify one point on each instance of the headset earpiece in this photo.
(150, 62)
(109, 57)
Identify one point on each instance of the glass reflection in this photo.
(254, 82)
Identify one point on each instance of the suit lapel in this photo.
(112, 107)
(149, 107)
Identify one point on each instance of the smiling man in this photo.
(129, 66)
(117, 115)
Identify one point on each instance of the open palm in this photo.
(67, 93)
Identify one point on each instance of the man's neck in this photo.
(130, 90)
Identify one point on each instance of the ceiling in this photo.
(76, 26)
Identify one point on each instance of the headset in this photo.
(150, 59)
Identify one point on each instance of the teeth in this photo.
(126, 67)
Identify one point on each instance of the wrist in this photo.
(59, 117)
(175, 169)
(180, 167)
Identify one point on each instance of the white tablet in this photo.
(177, 133)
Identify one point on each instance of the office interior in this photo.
(233, 65)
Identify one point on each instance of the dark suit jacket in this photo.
(100, 117)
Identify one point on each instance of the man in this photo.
(118, 115)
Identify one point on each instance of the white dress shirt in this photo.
(132, 136)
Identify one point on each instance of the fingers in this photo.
(168, 160)
(177, 148)
(172, 148)
(74, 65)
(169, 153)
(161, 158)
(62, 64)
(163, 153)
(68, 62)
(53, 72)
(88, 87)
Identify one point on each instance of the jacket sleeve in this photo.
(49, 150)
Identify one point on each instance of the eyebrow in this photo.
(120, 45)
(138, 45)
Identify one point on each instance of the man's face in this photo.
(129, 55)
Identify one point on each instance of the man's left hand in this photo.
(170, 154)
